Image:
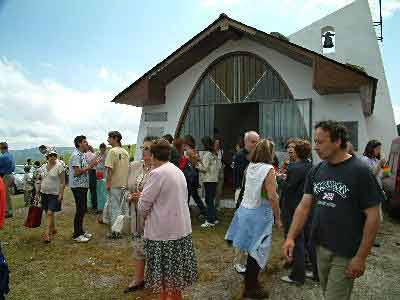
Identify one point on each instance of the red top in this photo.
(3, 204)
(183, 162)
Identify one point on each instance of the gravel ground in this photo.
(381, 280)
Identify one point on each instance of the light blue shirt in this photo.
(7, 163)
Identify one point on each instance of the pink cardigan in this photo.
(164, 206)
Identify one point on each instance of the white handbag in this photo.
(122, 223)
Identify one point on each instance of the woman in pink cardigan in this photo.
(170, 257)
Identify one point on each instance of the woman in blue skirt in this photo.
(251, 227)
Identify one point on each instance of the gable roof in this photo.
(329, 76)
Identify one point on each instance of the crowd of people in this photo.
(329, 212)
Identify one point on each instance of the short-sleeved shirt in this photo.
(51, 179)
(90, 156)
(372, 163)
(78, 159)
(118, 160)
(7, 163)
(341, 193)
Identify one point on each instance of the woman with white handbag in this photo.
(138, 173)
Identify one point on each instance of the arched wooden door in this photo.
(239, 78)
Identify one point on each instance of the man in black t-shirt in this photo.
(346, 196)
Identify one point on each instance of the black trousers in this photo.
(251, 275)
(80, 196)
(92, 187)
(303, 246)
(211, 191)
(193, 191)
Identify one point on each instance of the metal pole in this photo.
(380, 15)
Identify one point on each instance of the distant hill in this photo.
(22, 155)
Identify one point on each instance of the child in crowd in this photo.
(28, 186)
(36, 178)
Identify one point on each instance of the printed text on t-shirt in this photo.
(331, 186)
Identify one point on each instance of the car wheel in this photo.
(13, 190)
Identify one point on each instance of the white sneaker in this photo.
(81, 239)
(206, 225)
(239, 268)
(309, 274)
(88, 235)
(288, 280)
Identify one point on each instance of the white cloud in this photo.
(50, 113)
(103, 73)
(118, 79)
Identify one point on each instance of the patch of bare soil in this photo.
(381, 280)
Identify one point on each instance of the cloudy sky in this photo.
(62, 62)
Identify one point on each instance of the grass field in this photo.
(102, 268)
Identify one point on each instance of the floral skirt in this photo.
(170, 265)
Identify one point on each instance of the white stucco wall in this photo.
(356, 43)
(297, 76)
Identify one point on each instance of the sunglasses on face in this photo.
(147, 148)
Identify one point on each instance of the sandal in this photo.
(135, 287)
(46, 238)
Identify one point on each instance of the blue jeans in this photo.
(211, 191)
(115, 202)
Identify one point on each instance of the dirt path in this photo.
(380, 282)
(102, 268)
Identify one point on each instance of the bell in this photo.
(328, 42)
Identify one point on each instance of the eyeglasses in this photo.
(147, 148)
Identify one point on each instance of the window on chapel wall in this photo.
(352, 129)
(328, 40)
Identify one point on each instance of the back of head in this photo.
(190, 141)
(264, 152)
(3, 147)
(116, 135)
(370, 147)
(303, 149)
(178, 144)
(161, 150)
(150, 138)
(169, 138)
(208, 144)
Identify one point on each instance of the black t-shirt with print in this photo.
(341, 193)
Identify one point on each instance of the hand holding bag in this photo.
(122, 223)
